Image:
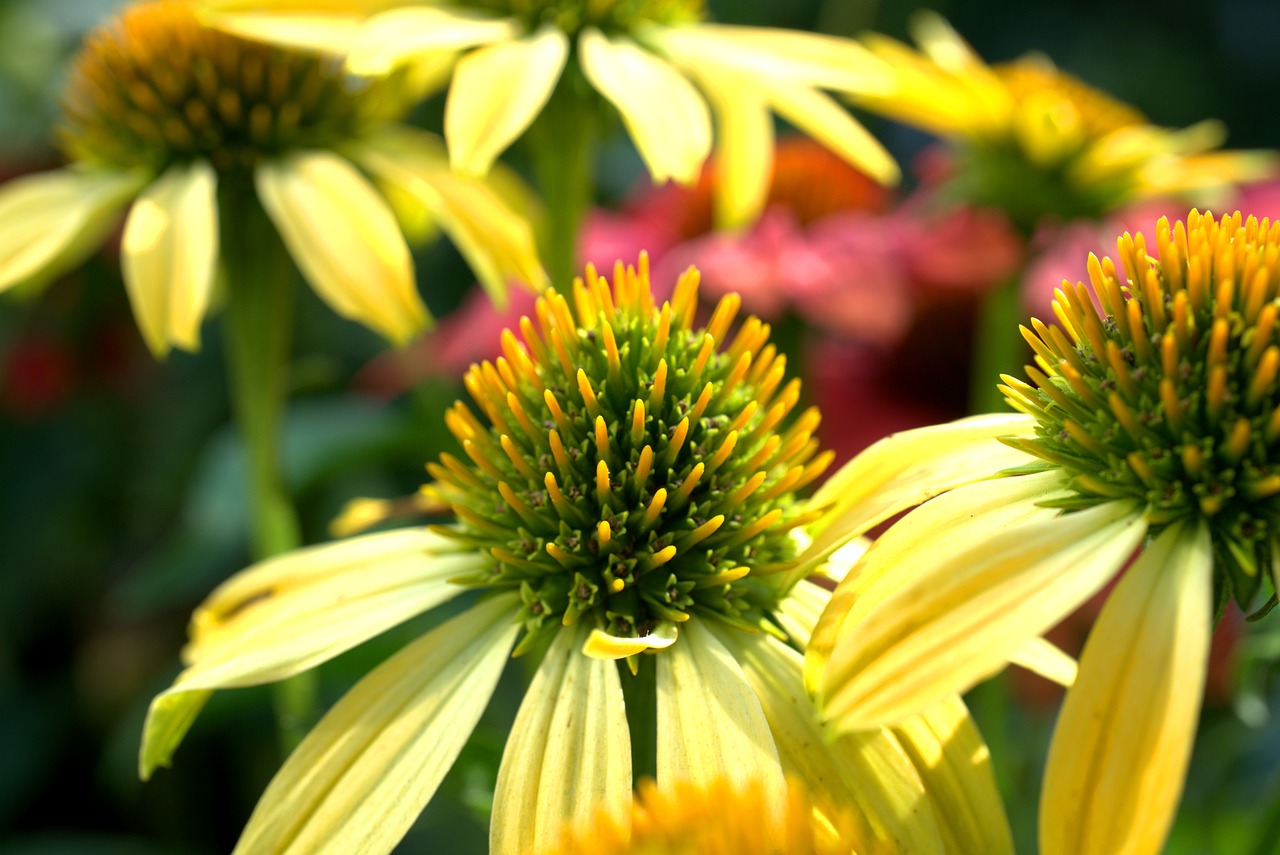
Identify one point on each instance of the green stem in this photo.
(258, 332)
(998, 348)
(563, 142)
(640, 694)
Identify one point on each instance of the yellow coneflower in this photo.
(188, 123)
(724, 818)
(627, 509)
(659, 62)
(1036, 141)
(1150, 427)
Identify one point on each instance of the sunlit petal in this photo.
(1042, 657)
(820, 117)
(744, 147)
(395, 36)
(602, 645)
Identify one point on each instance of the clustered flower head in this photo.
(201, 127)
(1149, 426)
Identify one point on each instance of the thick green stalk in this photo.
(258, 331)
(562, 142)
(640, 694)
(998, 347)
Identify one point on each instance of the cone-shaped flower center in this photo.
(1096, 111)
(153, 87)
(1160, 384)
(573, 15)
(635, 469)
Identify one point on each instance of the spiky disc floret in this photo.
(153, 87)
(635, 471)
(1169, 393)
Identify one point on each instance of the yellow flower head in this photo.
(1035, 141)
(185, 118)
(664, 68)
(1149, 426)
(629, 488)
(724, 819)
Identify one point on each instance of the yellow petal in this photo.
(744, 147)
(321, 32)
(496, 93)
(52, 221)
(1119, 753)
(710, 723)
(787, 56)
(666, 117)
(345, 240)
(169, 254)
(569, 753)
(365, 772)
(830, 124)
(869, 769)
(907, 468)
(1041, 656)
(950, 606)
(290, 613)
(394, 36)
(602, 645)
(955, 765)
(497, 242)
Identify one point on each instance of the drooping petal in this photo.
(602, 645)
(365, 772)
(1120, 750)
(496, 93)
(869, 769)
(744, 147)
(1043, 657)
(819, 116)
(908, 468)
(287, 614)
(952, 758)
(52, 221)
(345, 240)
(949, 594)
(710, 723)
(397, 35)
(569, 754)
(666, 117)
(169, 255)
(497, 242)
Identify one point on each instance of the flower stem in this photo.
(563, 141)
(997, 346)
(640, 694)
(258, 333)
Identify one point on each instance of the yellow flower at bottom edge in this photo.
(722, 818)
(627, 511)
(1151, 426)
(169, 115)
(1036, 141)
(659, 62)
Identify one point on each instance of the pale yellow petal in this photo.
(290, 613)
(1043, 657)
(1120, 751)
(569, 753)
(820, 117)
(496, 93)
(710, 723)
(786, 56)
(602, 645)
(395, 36)
(869, 769)
(907, 468)
(318, 32)
(169, 255)
(951, 606)
(955, 765)
(497, 242)
(52, 221)
(666, 117)
(364, 773)
(744, 147)
(345, 240)
(925, 96)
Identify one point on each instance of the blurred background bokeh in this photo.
(122, 482)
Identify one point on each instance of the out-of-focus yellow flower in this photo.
(1151, 426)
(170, 115)
(658, 61)
(627, 510)
(725, 818)
(1037, 141)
